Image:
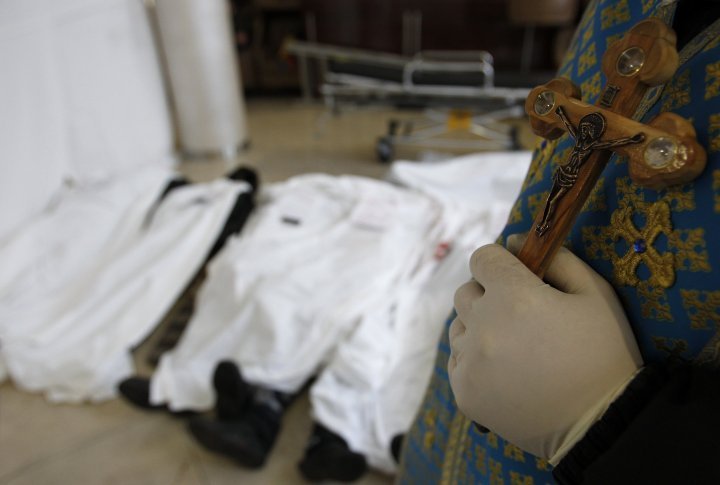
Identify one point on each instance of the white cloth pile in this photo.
(350, 278)
(85, 144)
(89, 278)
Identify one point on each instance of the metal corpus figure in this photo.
(587, 139)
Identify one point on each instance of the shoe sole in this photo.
(341, 469)
(234, 450)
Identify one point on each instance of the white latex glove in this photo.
(534, 363)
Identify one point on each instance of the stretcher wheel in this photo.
(384, 149)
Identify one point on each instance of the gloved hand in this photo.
(538, 364)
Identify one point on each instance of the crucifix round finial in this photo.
(630, 61)
(660, 152)
(544, 103)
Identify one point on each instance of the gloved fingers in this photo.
(493, 265)
(515, 242)
(457, 330)
(465, 296)
(570, 274)
(567, 272)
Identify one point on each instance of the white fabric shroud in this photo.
(91, 277)
(317, 257)
(347, 273)
(372, 389)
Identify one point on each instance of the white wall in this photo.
(81, 98)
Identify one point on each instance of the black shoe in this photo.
(248, 440)
(136, 390)
(245, 174)
(233, 394)
(396, 447)
(328, 457)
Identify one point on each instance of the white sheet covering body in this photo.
(318, 257)
(374, 385)
(350, 273)
(85, 281)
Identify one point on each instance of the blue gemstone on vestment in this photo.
(640, 246)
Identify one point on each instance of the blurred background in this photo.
(103, 102)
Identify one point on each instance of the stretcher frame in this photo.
(474, 109)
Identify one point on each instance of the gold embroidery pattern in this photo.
(587, 59)
(597, 200)
(612, 38)
(680, 197)
(587, 35)
(496, 472)
(520, 479)
(690, 250)
(702, 307)
(542, 156)
(566, 69)
(716, 188)
(654, 302)
(598, 242)
(672, 346)
(628, 193)
(541, 464)
(712, 80)
(516, 212)
(614, 14)
(714, 132)
(535, 201)
(429, 419)
(512, 451)
(492, 440)
(455, 446)
(480, 460)
(647, 5)
(661, 266)
(591, 88)
(677, 92)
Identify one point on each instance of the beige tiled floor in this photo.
(113, 443)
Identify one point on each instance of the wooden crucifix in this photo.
(661, 153)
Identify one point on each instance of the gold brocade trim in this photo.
(454, 449)
(662, 271)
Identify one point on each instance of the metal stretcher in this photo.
(456, 88)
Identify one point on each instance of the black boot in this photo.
(233, 394)
(248, 439)
(328, 457)
(136, 390)
(396, 447)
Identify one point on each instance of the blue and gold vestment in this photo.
(659, 249)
